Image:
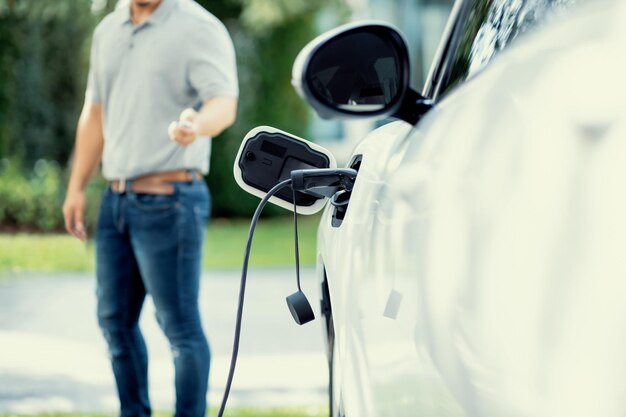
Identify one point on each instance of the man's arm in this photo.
(87, 155)
(216, 114)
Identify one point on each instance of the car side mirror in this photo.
(268, 155)
(358, 70)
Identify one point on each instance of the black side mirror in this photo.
(268, 155)
(358, 70)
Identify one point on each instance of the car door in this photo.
(385, 361)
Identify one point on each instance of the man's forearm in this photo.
(88, 148)
(216, 115)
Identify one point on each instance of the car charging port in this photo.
(340, 201)
(355, 162)
(341, 198)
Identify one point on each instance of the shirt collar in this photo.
(157, 16)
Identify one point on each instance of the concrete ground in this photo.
(53, 357)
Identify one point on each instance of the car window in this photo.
(486, 27)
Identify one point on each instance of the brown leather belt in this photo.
(156, 183)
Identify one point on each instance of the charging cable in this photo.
(242, 290)
(322, 182)
(295, 236)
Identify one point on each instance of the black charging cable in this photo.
(325, 182)
(242, 291)
(295, 236)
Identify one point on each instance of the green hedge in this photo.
(43, 60)
(32, 199)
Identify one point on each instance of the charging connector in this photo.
(323, 182)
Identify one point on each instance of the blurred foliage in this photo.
(264, 15)
(41, 76)
(32, 199)
(44, 49)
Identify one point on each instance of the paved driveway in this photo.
(53, 358)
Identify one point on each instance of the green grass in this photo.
(272, 246)
(230, 412)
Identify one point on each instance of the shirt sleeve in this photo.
(213, 68)
(92, 92)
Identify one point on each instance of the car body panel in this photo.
(374, 342)
(479, 268)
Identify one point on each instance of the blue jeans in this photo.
(152, 244)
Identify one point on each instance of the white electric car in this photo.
(477, 267)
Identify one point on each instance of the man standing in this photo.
(150, 60)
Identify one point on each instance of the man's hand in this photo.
(74, 214)
(184, 131)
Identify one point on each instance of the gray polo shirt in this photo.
(145, 75)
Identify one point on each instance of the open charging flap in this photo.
(268, 155)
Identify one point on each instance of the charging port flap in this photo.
(268, 155)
